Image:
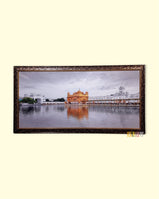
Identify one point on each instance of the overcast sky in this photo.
(57, 84)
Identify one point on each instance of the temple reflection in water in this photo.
(75, 115)
(78, 112)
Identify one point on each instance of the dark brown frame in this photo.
(18, 69)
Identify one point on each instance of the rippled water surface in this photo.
(61, 116)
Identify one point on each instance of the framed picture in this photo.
(79, 99)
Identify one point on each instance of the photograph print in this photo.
(90, 99)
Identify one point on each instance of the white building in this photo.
(40, 98)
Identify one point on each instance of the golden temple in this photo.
(77, 97)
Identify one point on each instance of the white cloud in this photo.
(57, 84)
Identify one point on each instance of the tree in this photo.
(28, 100)
(59, 100)
(47, 100)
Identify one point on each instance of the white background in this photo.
(78, 33)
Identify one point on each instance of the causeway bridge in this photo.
(112, 101)
(131, 101)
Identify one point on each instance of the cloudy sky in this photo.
(57, 84)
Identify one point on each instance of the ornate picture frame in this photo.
(78, 105)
